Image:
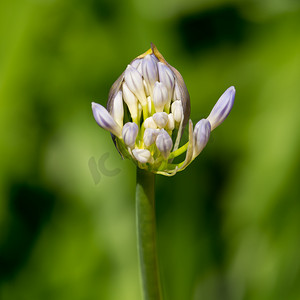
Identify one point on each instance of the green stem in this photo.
(179, 151)
(146, 235)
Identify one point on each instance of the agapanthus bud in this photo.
(142, 155)
(176, 94)
(171, 123)
(149, 123)
(147, 87)
(129, 134)
(118, 110)
(160, 119)
(149, 71)
(160, 96)
(150, 136)
(135, 63)
(134, 81)
(177, 111)
(222, 108)
(164, 143)
(166, 76)
(131, 101)
(105, 120)
(201, 136)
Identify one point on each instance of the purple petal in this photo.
(222, 108)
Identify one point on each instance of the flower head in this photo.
(147, 110)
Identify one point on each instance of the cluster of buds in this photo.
(147, 110)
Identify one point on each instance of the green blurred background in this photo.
(228, 226)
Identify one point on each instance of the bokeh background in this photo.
(228, 226)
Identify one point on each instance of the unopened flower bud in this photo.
(142, 155)
(166, 76)
(129, 134)
(148, 86)
(149, 71)
(149, 123)
(105, 120)
(222, 108)
(171, 123)
(135, 63)
(201, 135)
(160, 119)
(177, 111)
(160, 96)
(150, 136)
(117, 109)
(131, 101)
(176, 95)
(164, 143)
(134, 81)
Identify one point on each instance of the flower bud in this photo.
(142, 155)
(160, 96)
(149, 123)
(117, 111)
(134, 81)
(201, 135)
(129, 134)
(176, 94)
(131, 101)
(164, 143)
(171, 123)
(177, 111)
(149, 71)
(160, 119)
(166, 76)
(150, 136)
(135, 63)
(105, 120)
(222, 108)
(148, 86)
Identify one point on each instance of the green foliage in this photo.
(228, 226)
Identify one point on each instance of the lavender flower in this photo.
(156, 99)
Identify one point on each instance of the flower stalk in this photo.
(147, 111)
(146, 235)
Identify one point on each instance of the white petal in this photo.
(176, 95)
(164, 143)
(117, 109)
(142, 155)
(161, 119)
(130, 100)
(105, 120)
(129, 134)
(149, 100)
(160, 96)
(200, 136)
(177, 110)
(150, 136)
(149, 71)
(171, 123)
(149, 123)
(135, 63)
(134, 81)
(222, 108)
(166, 76)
